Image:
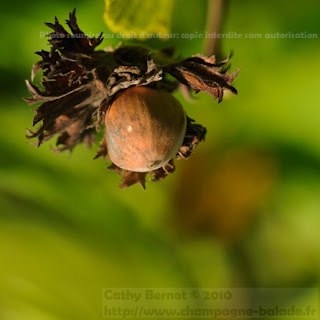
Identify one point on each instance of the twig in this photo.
(215, 17)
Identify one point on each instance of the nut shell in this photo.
(145, 128)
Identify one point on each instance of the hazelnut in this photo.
(145, 128)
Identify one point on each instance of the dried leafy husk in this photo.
(79, 83)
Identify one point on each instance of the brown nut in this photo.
(145, 128)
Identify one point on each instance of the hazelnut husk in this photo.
(84, 88)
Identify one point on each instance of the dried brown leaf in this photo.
(130, 178)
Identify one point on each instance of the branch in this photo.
(216, 14)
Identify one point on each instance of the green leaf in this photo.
(138, 18)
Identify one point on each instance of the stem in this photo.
(216, 13)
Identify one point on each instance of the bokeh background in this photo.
(243, 211)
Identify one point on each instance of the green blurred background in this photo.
(243, 211)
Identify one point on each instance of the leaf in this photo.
(140, 17)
